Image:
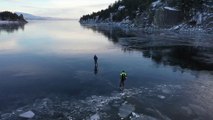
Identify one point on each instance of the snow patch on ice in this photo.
(135, 115)
(161, 96)
(27, 115)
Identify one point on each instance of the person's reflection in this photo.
(96, 69)
(96, 65)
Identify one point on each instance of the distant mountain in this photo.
(28, 16)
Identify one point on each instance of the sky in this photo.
(55, 8)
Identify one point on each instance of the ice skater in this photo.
(96, 60)
(123, 77)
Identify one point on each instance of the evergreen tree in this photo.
(186, 6)
(11, 16)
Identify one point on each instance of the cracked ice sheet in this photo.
(93, 107)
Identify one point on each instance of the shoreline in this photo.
(132, 27)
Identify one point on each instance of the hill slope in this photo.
(28, 16)
(156, 13)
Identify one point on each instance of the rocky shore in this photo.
(159, 15)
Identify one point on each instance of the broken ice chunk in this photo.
(125, 110)
(95, 117)
(27, 115)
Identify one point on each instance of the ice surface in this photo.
(6, 115)
(161, 96)
(199, 110)
(28, 114)
(101, 107)
(136, 116)
(186, 110)
(168, 89)
(125, 110)
(95, 117)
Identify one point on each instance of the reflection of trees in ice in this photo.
(10, 28)
(112, 33)
(191, 51)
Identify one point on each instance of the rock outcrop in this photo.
(167, 17)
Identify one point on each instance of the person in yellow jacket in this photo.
(123, 77)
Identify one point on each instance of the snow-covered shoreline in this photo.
(181, 28)
(158, 16)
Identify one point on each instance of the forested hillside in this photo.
(8, 16)
(162, 13)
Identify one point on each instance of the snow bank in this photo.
(154, 4)
(170, 8)
(121, 8)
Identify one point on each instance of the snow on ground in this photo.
(170, 8)
(154, 4)
(121, 8)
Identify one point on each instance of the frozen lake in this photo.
(47, 67)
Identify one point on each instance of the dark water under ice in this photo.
(48, 67)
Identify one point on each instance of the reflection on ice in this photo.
(191, 51)
(10, 28)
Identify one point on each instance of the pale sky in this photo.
(55, 8)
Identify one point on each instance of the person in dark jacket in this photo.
(96, 60)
